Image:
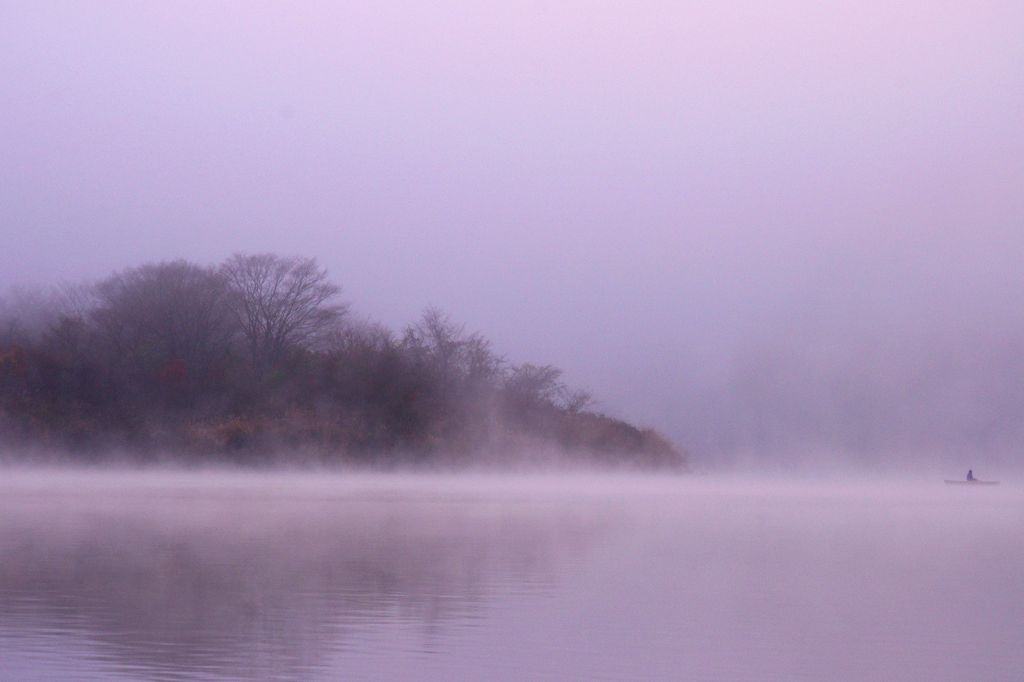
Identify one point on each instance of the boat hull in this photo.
(972, 482)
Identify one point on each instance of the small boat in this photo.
(974, 481)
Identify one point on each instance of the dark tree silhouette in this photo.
(174, 356)
(281, 304)
(172, 313)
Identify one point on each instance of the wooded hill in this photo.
(258, 360)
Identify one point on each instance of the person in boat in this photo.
(970, 475)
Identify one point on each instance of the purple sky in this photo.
(749, 224)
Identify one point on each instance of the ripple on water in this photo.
(543, 578)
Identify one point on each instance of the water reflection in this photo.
(278, 577)
(260, 583)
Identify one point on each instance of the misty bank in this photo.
(257, 361)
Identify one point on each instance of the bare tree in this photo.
(483, 366)
(576, 401)
(171, 312)
(454, 356)
(437, 343)
(76, 300)
(25, 313)
(531, 385)
(281, 303)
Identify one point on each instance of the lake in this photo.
(302, 576)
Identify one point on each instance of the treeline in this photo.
(258, 360)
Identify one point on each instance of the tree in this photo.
(25, 314)
(281, 304)
(173, 312)
(576, 401)
(460, 374)
(532, 385)
(460, 362)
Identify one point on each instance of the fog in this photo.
(786, 235)
(164, 575)
(756, 228)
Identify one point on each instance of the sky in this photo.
(758, 227)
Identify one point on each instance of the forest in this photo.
(258, 360)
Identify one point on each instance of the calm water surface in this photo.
(188, 576)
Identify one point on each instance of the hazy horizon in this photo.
(758, 229)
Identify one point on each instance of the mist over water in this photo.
(176, 575)
(774, 245)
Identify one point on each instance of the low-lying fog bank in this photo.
(535, 459)
(531, 480)
(177, 574)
